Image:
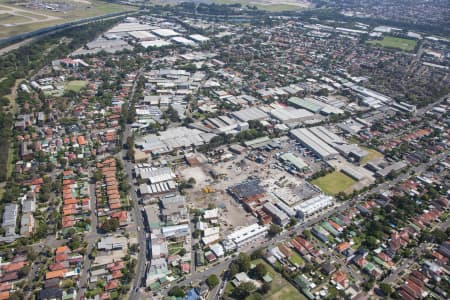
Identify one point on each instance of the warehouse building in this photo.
(177, 231)
(248, 114)
(183, 41)
(173, 139)
(338, 143)
(291, 116)
(285, 208)
(319, 147)
(155, 43)
(306, 103)
(278, 216)
(165, 32)
(313, 205)
(353, 173)
(10, 218)
(129, 27)
(294, 161)
(154, 175)
(247, 235)
(199, 38)
(143, 36)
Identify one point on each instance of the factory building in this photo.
(248, 114)
(278, 216)
(291, 116)
(338, 143)
(319, 147)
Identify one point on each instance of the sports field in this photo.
(31, 15)
(334, 183)
(270, 5)
(75, 85)
(395, 42)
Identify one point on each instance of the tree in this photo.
(182, 252)
(98, 176)
(212, 281)
(74, 243)
(67, 283)
(274, 230)
(243, 290)
(254, 296)
(307, 234)
(191, 181)
(292, 222)
(110, 225)
(176, 291)
(386, 289)
(259, 271)
(265, 288)
(234, 269)
(243, 261)
(258, 253)
(24, 271)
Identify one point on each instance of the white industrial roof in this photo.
(290, 113)
(199, 37)
(252, 113)
(184, 41)
(165, 32)
(127, 27)
(155, 43)
(140, 35)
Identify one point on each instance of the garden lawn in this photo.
(296, 259)
(334, 183)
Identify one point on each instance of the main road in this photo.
(141, 236)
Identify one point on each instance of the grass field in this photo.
(10, 162)
(272, 6)
(334, 183)
(11, 19)
(281, 289)
(75, 85)
(395, 42)
(373, 154)
(41, 18)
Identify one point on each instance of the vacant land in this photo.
(395, 42)
(373, 154)
(334, 183)
(16, 19)
(75, 85)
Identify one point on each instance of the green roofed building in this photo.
(295, 161)
(267, 278)
(306, 103)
